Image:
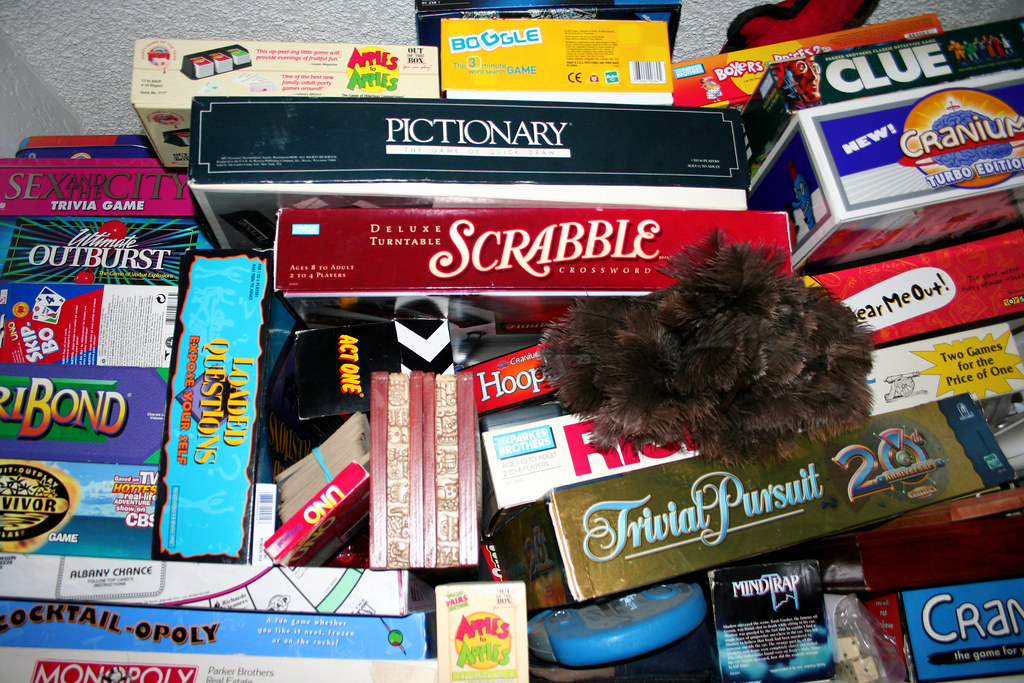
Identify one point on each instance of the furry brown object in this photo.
(737, 358)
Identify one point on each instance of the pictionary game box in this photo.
(982, 361)
(167, 73)
(82, 413)
(252, 156)
(867, 177)
(522, 267)
(875, 69)
(50, 323)
(620, 532)
(728, 79)
(215, 408)
(924, 293)
(561, 60)
(430, 13)
(232, 587)
(77, 508)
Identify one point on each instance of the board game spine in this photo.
(417, 538)
(469, 470)
(378, 470)
(429, 464)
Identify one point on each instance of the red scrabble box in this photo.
(927, 292)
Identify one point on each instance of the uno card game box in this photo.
(167, 73)
(82, 413)
(555, 59)
(729, 78)
(207, 472)
(864, 178)
(77, 508)
(610, 535)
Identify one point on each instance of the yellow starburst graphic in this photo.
(974, 365)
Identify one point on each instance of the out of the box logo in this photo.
(963, 138)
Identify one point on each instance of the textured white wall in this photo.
(83, 50)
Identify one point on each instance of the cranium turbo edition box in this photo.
(491, 271)
(842, 75)
(167, 73)
(865, 178)
(252, 156)
(620, 532)
(215, 407)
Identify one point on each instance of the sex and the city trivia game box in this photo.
(215, 403)
(620, 532)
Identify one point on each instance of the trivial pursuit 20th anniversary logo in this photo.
(963, 138)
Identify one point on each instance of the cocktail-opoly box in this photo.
(867, 177)
(770, 622)
(965, 631)
(50, 323)
(521, 266)
(528, 460)
(875, 69)
(215, 398)
(981, 361)
(77, 508)
(510, 379)
(620, 532)
(430, 13)
(66, 664)
(728, 79)
(82, 413)
(925, 293)
(481, 632)
(306, 590)
(252, 156)
(146, 629)
(560, 60)
(167, 73)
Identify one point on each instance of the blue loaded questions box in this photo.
(206, 484)
(971, 630)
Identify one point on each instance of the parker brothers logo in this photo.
(476, 137)
(57, 671)
(963, 138)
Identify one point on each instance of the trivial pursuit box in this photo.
(77, 508)
(965, 631)
(728, 79)
(556, 59)
(621, 532)
(244, 588)
(925, 293)
(167, 73)
(867, 177)
(215, 407)
(82, 413)
(981, 361)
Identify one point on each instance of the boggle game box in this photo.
(610, 535)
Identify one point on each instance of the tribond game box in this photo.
(864, 178)
(621, 532)
(82, 413)
(77, 508)
(167, 73)
(207, 472)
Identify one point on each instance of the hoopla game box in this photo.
(167, 73)
(494, 271)
(253, 156)
(621, 532)
(865, 178)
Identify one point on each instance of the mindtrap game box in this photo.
(167, 73)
